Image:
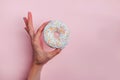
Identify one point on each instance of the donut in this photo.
(59, 41)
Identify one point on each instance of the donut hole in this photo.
(56, 34)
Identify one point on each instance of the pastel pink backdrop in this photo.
(93, 52)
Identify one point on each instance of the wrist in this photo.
(37, 66)
(35, 72)
(36, 63)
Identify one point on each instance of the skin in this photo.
(40, 56)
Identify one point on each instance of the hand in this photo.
(40, 56)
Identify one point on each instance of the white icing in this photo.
(49, 31)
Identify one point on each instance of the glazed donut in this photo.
(62, 31)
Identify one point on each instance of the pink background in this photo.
(93, 52)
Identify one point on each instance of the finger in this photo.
(41, 43)
(30, 22)
(26, 29)
(54, 52)
(40, 29)
(30, 25)
(26, 21)
(39, 32)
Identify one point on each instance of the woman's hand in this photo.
(40, 56)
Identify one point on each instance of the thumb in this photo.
(54, 52)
